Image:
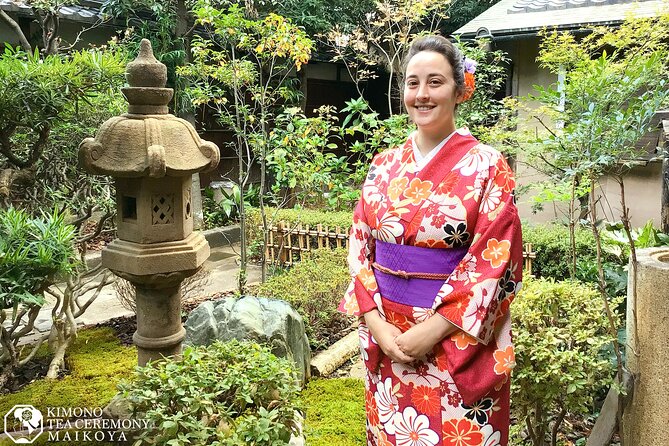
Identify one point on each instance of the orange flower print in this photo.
(383, 439)
(351, 304)
(461, 432)
(505, 360)
(497, 252)
(396, 187)
(431, 243)
(418, 191)
(371, 408)
(504, 178)
(426, 399)
(398, 320)
(448, 184)
(463, 340)
(366, 277)
(456, 307)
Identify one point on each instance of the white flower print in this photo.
(490, 436)
(466, 270)
(444, 291)
(388, 229)
(387, 405)
(412, 429)
(476, 316)
(421, 314)
(477, 159)
(365, 339)
(418, 373)
(474, 192)
(491, 198)
(379, 305)
(372, 195)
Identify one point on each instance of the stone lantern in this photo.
(152, 156)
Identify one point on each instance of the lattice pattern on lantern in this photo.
(162, 207)
(187, 203)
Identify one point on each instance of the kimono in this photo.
(457, 395)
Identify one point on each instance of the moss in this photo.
(97, 361)
(335, 412)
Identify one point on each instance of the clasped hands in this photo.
(414, 343)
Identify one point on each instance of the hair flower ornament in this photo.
(469, 66)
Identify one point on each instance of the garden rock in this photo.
(266, 321)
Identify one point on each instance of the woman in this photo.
(435, 254)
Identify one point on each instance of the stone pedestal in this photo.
(645, 417)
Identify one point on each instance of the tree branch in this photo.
(6, 146)
(25, 46)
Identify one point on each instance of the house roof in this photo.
(85, 11)
(516, 17)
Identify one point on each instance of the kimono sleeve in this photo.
(358, 298)
(478, 292)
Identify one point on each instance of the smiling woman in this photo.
(435, 256)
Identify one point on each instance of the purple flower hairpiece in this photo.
(469, 64)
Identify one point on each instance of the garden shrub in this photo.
(335, 412)
(314, 288)
(34, 254)
(233, 394)
(550, 242)
(560, 334)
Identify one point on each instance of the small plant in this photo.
(226, 394)
(314, 287)
(34, 254)
(560, 336)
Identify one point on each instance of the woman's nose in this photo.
(422, 93)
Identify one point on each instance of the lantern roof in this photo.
(147, 141)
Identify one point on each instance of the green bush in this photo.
(314, 288)
(335, 412)
(226, 394)
(550, 242)
(560, 334)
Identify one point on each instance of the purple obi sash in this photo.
(412, 291)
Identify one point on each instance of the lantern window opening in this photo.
(129, 208)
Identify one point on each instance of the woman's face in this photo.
(430, 93)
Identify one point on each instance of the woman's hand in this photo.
(384, 334)
(420, 339)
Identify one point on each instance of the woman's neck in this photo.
(426, 141)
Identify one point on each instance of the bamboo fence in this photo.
(287, 243)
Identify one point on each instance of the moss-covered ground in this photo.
(335, 412)
(97, 361)
(335, 409)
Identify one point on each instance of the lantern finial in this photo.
(146, 70)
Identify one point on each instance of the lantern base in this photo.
(157, 258)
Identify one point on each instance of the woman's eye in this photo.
(435, 82)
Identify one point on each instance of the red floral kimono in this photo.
(459, 394)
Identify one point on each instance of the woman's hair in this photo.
(443, 46)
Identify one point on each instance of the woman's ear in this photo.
(460, 96)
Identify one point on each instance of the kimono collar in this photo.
(421, 161)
